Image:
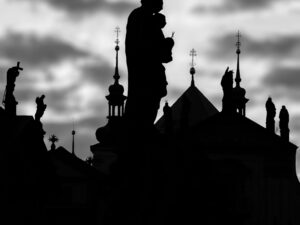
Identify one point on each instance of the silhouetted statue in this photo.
(169, 119)
(227, 85)
(145, 53)
(240, 100)
(271, 113)
(40, 109)
(9, 100)
(168, 43)
(284, 123)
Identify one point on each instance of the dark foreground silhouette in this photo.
(146, 51)
(195, 166)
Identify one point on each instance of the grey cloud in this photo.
(35, 51)
(285, 77)
(283, 83)
(101, 73)
(273, 47)
(230, 6)
(121, 7)
(84, 7)
(283, 92)
(55, 99)
(295, 123)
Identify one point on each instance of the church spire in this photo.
(193, 54)
(116, 98)
(73, 139)
(238, 52)
(238, 92)
(117, 48)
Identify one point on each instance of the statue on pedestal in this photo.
(40, 109)
(9, 100)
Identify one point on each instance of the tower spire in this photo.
(116, 98)
(238, 52)
(117, 48)
(238, 92)
(193, 54)
(73, 139)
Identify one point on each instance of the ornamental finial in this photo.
(193, 54)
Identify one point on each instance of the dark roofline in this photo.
(190, 90)
(67, 157)
(257, 126)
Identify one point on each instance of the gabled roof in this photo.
(70, 163)
(226, 133)
(199, 109)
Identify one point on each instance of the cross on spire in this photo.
(118, 31)
(53, 139)
(238, 43)
(193, 53)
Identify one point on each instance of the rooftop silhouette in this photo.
(196, 165)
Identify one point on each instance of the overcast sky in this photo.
(67, 50)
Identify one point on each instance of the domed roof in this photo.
(103, 133)
(116, 89)
(239, 91)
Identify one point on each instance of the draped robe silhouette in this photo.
(146, 74)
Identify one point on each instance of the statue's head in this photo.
(154, 5)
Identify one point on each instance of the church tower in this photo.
(104, 153)
(116, 98)
(116, 102)
(239, 92)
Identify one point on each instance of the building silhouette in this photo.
(192, 104)
(28, 177)
(76, 199)
(202, 166)
(250, 171)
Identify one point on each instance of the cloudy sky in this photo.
(67, 50)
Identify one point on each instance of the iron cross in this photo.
(193, 53)
(238, 44)
(118, 31)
